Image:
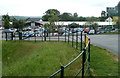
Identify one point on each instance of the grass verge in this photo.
(109, 33)
(103, 62)
(29, 58)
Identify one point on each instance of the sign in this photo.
(87, 40)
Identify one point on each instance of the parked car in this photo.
(86, 31)
(79, 30)
(1, 28)
(26, 35)
(91, 32)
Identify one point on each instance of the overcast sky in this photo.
(38, 7)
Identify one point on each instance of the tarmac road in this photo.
(110, 42)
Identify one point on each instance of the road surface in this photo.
(110, 42)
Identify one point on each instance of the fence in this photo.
(84, 54)
(78, 40)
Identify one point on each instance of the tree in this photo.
(75, 15)
(65, 16)
(102, 18)
(82, 18)
(45, 17)
(6, 20)
(103, 14)
(15, 23)
(47, 27)
(48, 14)
(55, 12)
(52, 17)
(18, 23)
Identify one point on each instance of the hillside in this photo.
(22, 17)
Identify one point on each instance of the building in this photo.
(112, 11)
(109, 19)
(33, 22)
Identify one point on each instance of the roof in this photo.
(70, 22)
(33, 19)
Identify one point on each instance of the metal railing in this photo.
(84, 53)
(79, 41)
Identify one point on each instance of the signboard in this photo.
(87, 40)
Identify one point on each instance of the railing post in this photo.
(65, 34)
(35, 36)
(68, 35)
(62, 72)
(83, 61)
(89, 52)
(81, 41)
(20, 35)
(85, 40)
(58, 35)
(76, 40)
(72, 37)
(6, 36)
(44, 35)
(49, 35)
(11, 35)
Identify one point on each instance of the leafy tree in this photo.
(15, 23)
(65, 16)
(19, 24)
(46, 25)
(102, 18)
(53, 17)
(49, 14)
(82, 18)
(45, 17)
(103, 14)
(75, 15)
(55, 12)
(6, 20)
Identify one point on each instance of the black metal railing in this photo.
(78, 40)
(85, 54)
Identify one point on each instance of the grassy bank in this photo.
(103, 62)
(27, 58)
